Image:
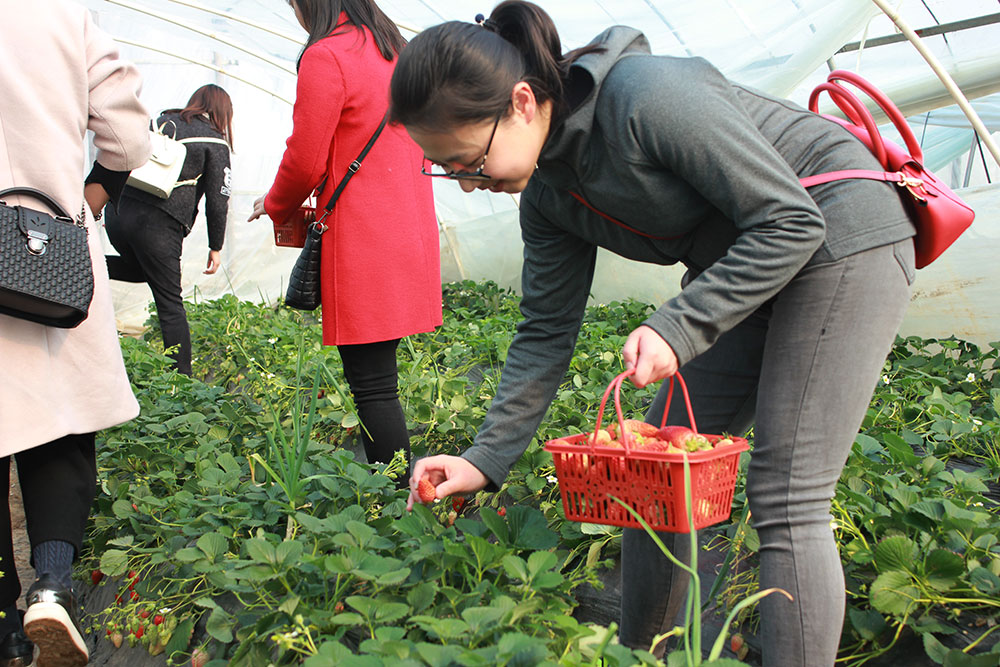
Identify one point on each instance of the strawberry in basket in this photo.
(684, 438)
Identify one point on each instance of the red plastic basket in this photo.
(650, 482)
(292, 232)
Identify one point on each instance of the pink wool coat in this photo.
(60, 77)
(380, 274)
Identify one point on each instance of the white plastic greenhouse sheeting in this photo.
(249, 47)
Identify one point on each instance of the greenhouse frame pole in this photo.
(942, 74)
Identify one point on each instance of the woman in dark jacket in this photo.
(148, 232)
(791, 301)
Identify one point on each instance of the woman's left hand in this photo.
(214, 261)
(651, 357)
(258, 209)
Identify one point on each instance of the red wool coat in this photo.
(381, 274)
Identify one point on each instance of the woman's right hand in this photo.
(450, 474)
(258, 209)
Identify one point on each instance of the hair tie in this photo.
(489, 24)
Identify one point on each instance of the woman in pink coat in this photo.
(60, 77)
(380, 275)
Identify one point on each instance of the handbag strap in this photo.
(204, 140)
(912, 183)
(351, 170)
(39, 195)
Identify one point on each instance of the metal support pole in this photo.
(946, 79)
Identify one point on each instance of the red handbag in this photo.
(939, 215)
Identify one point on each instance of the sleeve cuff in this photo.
(113, 182)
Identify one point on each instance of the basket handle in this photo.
(616, 385)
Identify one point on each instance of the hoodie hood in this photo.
(567, 142)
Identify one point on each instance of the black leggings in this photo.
(371, 372)
(58, 482)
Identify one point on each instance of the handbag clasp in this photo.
(914, 185)
(37, 242)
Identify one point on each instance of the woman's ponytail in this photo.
(457, 72)
(531, 31)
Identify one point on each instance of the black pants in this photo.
(149, 243)
(372, 374)
(58, 482)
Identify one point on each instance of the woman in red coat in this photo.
(380, 275)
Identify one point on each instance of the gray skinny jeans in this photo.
(802, 369)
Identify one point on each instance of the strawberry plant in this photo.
(288, 550)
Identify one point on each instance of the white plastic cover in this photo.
(785, 47)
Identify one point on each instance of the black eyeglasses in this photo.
(427, 169)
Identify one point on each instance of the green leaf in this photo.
(220, 625)
(516, 568)
(181, 637)
(393, 578)
(895, 553)
(893, 593)
(935, 650)
(869, 623)
(347, 618)
(114, 562)
(943, 569)
(900, 450)
(956, 658)
(496, 524)
(984, 581)
(289, 604)
(539, 561)
(261, 551)
(421, 596)
(481, 618)
(212, 545)
(867, 445)
(122, 509)
(288, 553)
(189, 555)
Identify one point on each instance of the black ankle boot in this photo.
(51, 624)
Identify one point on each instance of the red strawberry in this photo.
(133, 596)
(457, 503)
(96, 576)
(139, 632)
(675, 435)
(157, 619)
(684, 438)
(132, 574)
(502, 511)
(144, 613)
(736, 642)
(426, 491)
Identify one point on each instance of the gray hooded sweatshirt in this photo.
(663, 160)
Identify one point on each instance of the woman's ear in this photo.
(523, 101)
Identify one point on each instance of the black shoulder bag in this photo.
(46, 274)
(303, 284)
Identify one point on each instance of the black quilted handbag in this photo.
(45, 271)
(303, 291)
(303, 283)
